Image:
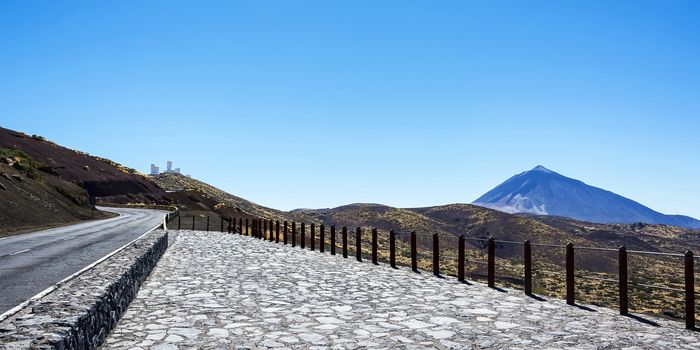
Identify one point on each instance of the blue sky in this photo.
(407, 103)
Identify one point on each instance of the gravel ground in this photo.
(222, 291)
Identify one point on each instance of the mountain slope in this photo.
(541, 191)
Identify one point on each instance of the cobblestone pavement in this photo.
(220, 291)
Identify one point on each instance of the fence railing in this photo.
(287, 233)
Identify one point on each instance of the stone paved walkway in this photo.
(220, 291)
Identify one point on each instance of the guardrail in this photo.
(283, 232)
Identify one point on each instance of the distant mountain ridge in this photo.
(541, 191)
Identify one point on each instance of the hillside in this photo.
(31, 199)
(190, 194)
(99, 176)
(541, 191)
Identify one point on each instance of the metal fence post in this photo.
(313, 237)
(303, 235)
(193, 223)
(345, 242)
(570, 274)
(491, 262)
(333, 240)
(436, 254)
(374, 246)
(689, 290)
(414, 253)
(322, 240)
(294, 234)
(178, 222)
(358, 244)
(622, 274)
(460, 258)
(527, 258)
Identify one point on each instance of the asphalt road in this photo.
(32, 262)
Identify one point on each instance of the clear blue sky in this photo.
(407, 103)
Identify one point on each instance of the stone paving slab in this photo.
(221, 291)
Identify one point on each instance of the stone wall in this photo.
(80, 313)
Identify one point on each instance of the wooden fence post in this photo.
(322, 239)
(570, 274)
(193, 223)
(285, 232)
(527, 258)
(358, 244)
(240, 225)
(229, 224)
(622, 275)
(333, 240)
(277, 231)
(247, 228)
(221, 226)
(491, 278)
(313, 237)
(294, 234)
(374, 246)
(345, 242)
(272, 231)
(414, 253)
(178, 222)
(392, 248)
(264, 230)
(207, 223)
(689, 290)
(436, 254)
(460, 258)
(303, 235)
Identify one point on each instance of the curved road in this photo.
(32, 262)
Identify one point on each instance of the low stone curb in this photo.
(80, 313)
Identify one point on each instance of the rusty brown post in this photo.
(392, 248)
(277, 231)
(193, 223)
(374, 246)
(689, 290)
(622, 275)
(414, 253)
(313, 237)
(491, 278)
(285, 232)
(272, 231)
(333, 240)
(303, 235)
(322, 239)
(358, 244)
(345, 242)
(436, 254)
(460, 258)
(294, 234)
(570, 274)
(527, 258)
